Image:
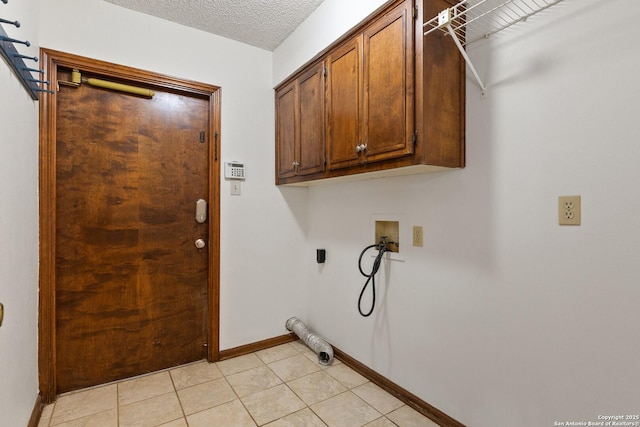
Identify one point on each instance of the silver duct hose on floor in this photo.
(315, 342)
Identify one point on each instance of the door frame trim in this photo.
(50, 61)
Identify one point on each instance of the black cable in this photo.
(382, 248)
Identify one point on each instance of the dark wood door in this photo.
(130, 284)
(344, 104)
(388, 111)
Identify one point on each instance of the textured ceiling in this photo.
(261, 23)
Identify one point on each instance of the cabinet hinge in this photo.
(202, 137)
(415, 11)
(326, 72)
(414, 137)
(325, 160)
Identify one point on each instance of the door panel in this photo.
(344, 104)
(311, 89)
(388, 76)
(131, 287)
(287, 130)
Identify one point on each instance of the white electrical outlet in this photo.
(569, 210)
(417, 236)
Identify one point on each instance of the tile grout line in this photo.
(286, 383)
(175, 391)
(283, 382)
(234, 390)
(348, 388)
(240, 400)
(52, 412)
(118, 403)
(307, 406)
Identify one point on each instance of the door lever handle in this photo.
(201, 211)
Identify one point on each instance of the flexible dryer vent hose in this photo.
(315, 342)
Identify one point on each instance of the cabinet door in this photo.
(388, 116)
(286, 130)
(344, 104)
(311, 143)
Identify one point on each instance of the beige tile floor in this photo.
(283, 386)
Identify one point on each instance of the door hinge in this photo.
(414, 137)
(202, 137)
(215, 148)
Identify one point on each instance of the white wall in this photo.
(18, 227)
(504, 317)
(265, 226)
(326, 24)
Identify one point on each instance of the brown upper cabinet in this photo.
(300, 124)
(369, 92)
(383, 98)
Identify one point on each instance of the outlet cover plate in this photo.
(569, 210)
(235, 188)
(417, 236)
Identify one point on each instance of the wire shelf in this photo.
(473, 20)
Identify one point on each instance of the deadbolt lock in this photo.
(201, 211)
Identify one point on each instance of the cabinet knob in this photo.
(296, 164)
(361, 147)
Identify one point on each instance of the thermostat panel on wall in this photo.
(234, 170)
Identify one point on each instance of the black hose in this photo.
(382, 248)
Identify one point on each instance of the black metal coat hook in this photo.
(35, 70)
(27, 43)
(33, 58)
(16, 23)
(38, 81)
